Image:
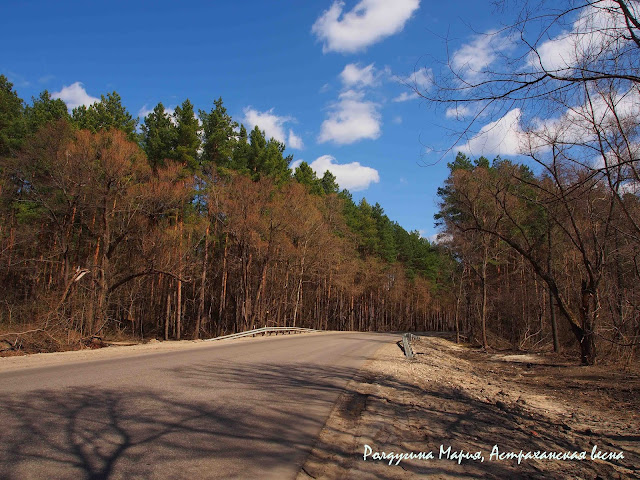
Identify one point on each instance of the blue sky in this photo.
(326, 77)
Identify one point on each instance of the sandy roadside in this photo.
(453, 397)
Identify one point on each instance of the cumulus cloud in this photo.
(351, 119)
(352, 176)
(273, 126)
(367, 23)
(472, 59)
(576, 125)
(295, 141)
(508, 136)
(75, 95)
(420, 80)
(600, 28)
(404, 96)
(502, 137)
(354, 76)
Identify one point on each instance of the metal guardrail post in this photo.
(406, 345)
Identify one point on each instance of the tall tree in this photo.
(241, 152)
(305, 175)
(106, 114)
(218, 135)
(328, 183)
(12, 124)
(256, 152)
(159, 137)
(188, 140)
(43, 110)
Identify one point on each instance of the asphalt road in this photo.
(242, 409)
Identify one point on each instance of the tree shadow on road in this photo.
(224, 419)
(212, 421)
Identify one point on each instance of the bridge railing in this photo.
(263, 331)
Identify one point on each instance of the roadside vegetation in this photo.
(188, 227)
(184, 225)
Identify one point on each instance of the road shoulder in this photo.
(471, 401)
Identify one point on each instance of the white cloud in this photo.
(459, 111)
(420, 80)
(75, 95)
(367, 23)
(502, 137)
(144, 111)
(397, 120)
(273, 126)
(472, 59)
(351, 119)
(353, 75)
(404, 96)
(578, 125)
(352, 176)
(599, 29)
(295, 141)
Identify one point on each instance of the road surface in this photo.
(241, 409)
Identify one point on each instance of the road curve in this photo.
(242, 409)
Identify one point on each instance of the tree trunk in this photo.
(203, 281)
(299, 291)
(483, 281)
(587, 344)
(223, 288)
(167, 318)
(179, 300)
(552, 306)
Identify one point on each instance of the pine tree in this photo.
(188, 141)
(106, 114)
(257, 145)
(274, 164)
(12, 124)
(386, 242)
(328, 182)
(305, 175)
(218, 136)
(241, 152)
(43, 110)
(159, 137)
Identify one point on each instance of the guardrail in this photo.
(264, 331)
(406, 344)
